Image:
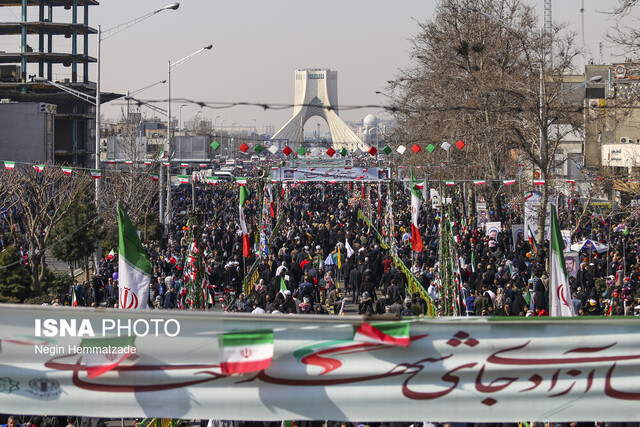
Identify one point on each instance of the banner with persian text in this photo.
(317, 367)
(330, 175)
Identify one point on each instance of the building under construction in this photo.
(53, 36)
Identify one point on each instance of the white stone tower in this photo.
(316, 94)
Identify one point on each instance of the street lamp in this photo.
(180, 120)
(130, 95)
(166, 215)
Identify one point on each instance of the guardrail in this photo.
(412, 281)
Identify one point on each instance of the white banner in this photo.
(455, 370)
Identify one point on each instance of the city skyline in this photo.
(257, 49)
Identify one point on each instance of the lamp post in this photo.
(166, 215)
(130, 95)
(180, 120)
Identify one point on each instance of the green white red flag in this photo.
(96, 173)
(66, 170)
(395, 334)
(134, 267)
(38, 168)
(9, 165)
(184, 179)
(560, 303)
(105, 353)
(246, 245)
(247, 351)
(416, 198)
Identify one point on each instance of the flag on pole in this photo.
(532, 241)
(74, 298)
(559, 292)
(416, 199)
(339, 258)
(283, 286)
(394, 334)
(111, 254)
(350, 250)
(98, 361)
(66, 170)
(134, 267)
(246, 245)
(247, 351)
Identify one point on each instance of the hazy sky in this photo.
(259, 44)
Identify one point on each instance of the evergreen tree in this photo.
(15, 279)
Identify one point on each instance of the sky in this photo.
(259, 44)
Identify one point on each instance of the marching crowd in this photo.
(309, 269)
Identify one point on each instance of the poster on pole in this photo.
(434, 195)
(517, 232)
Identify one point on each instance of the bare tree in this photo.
(41, 199)
(477, 76)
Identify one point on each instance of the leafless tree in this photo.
(40, 200)
(476, 75)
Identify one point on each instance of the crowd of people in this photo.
(307, 268)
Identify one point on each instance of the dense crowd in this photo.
(308, 255)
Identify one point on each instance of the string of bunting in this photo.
(213, 180)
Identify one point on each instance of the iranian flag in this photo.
(246, 245)
(241, 181)
(147, 163)
(560, 304)
(538, 182)
(212, 180)
(166, 163)
(96, 173)
(66, 170)
(10, 165)
(111, 162)
(479, 182)
(394, 334)
(449, 183)
(101, 355)
(509, 181)
(38, 168)
(128, 162)
(74, 298)
(111, 254)
(184, 165)
(184, 179)
(134, 267)
(154, 177)
(283, 286)
(416, 198)
(247, 351)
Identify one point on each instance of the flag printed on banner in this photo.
(394, 334)
(246, 244)
(134, 267)
(10, 165)
(38, 168)
(66, 170)
(247, 351)
(104, 354)
(96, 173)
(561, 304)
(416, 200)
